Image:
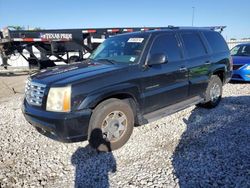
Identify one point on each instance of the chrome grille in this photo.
(34, 93)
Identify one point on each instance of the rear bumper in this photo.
(63, 127)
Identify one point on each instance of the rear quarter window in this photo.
(216, 41)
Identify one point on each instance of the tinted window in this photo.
(242, 50)
(193, 44)
(216, 41)
(168, 45)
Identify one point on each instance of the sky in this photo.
(55, 14)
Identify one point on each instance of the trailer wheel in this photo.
(111, 125)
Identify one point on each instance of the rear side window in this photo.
(216, 41)
(168, 45)
(193, 44)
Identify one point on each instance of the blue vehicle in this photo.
(241, 62)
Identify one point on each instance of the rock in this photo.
(195, 147)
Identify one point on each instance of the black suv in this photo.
(131, 79)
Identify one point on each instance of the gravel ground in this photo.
(11, 84)
(193, 148)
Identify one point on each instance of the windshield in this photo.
(242, 50)
(121, 49)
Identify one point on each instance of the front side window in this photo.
(193, 45)
(167, 44)
(121, 49)
(243, 50)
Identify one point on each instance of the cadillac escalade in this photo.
(130, 79)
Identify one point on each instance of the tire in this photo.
(111, 125)
(212, 95)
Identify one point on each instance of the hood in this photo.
(241, 60)
(63, 75)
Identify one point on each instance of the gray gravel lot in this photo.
(193, 148)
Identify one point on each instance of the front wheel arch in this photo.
(125, 97)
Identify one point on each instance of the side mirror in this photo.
(157, 59)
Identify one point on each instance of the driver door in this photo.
(167, 83)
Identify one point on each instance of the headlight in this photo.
(247, 67)
(59, 99)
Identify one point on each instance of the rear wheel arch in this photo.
(220, 71)
(221, 74)
(213, 93)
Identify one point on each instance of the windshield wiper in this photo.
(107, 60)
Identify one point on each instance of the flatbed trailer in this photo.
(60, 43)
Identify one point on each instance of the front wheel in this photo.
(111, 125)
(213, 93)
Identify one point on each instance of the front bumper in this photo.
(64, 127)
(241, 75)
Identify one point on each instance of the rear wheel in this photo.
(213, 93)
(111, 125)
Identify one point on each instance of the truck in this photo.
(59, 45)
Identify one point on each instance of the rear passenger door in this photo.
(198, 61)
(165, 84)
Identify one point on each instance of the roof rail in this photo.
(214, 28)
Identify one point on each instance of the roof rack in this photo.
(214, 28)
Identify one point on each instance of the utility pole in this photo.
(193, 16)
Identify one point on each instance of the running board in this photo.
(163, 112)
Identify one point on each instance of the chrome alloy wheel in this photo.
(114, 126)
(215, 92)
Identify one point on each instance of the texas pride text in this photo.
(58, 36)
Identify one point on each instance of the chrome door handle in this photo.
(207, 63)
